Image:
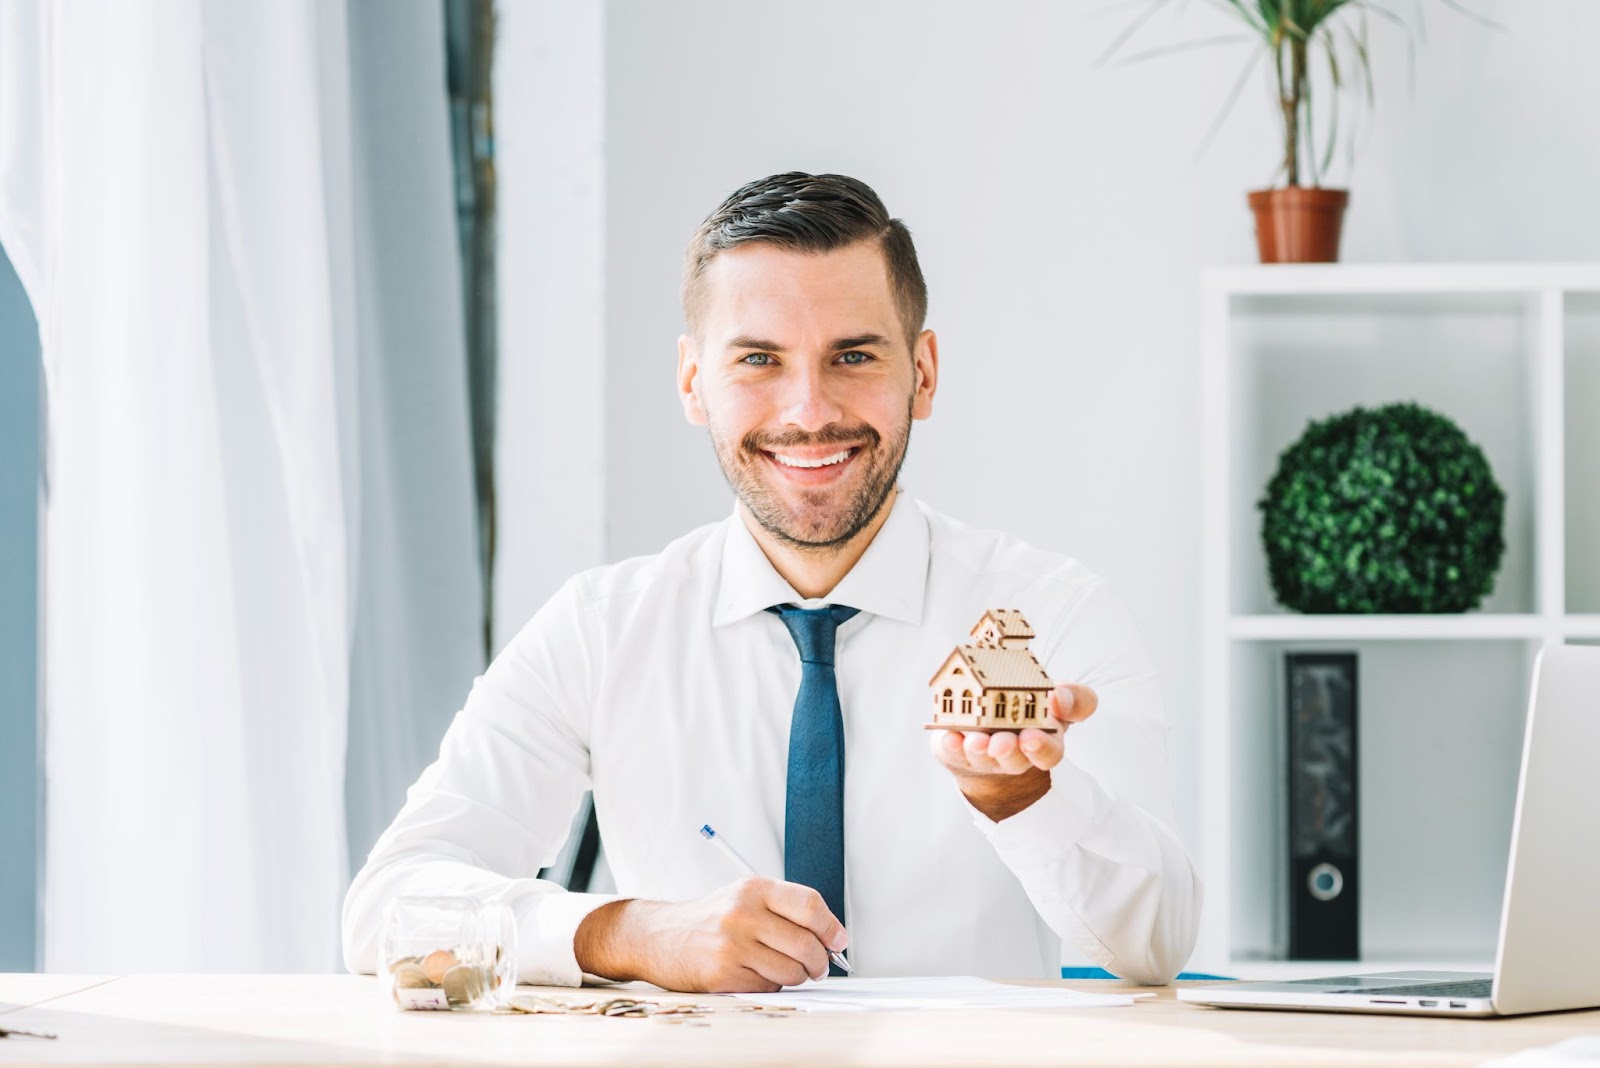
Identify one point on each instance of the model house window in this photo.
(1031, 706)
(966, 702)
(949, 702)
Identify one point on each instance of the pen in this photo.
(709, 834)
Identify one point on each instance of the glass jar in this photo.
(448, 952)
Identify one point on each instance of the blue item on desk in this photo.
(1101, 973)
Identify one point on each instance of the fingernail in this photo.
(839, 941)
(1031, 744)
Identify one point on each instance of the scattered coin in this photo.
(535, 1004)
(769, 1010)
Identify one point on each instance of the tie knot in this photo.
(813, 628)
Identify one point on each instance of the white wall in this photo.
(1062, 218)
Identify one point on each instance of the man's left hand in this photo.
(1004, 772)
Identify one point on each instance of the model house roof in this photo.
(1000, 669)
(1010, 621)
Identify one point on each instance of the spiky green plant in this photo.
(1293, 35)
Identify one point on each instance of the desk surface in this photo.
(346, 1020)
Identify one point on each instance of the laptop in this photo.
(1548, 957)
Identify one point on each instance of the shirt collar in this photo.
(889, 580)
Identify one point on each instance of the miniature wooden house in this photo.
(994, 684)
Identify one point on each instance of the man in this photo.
(767, 675)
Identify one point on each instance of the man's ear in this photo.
(689, 380)
(925, 364)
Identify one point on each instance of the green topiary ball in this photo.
(1388, 510)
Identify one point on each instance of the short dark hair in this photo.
(807, 213)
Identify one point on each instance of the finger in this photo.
(946, 747)
(1042, 749)
(1073, 703)
(744, 981)
(975, 745)
(804, 907)
(795, 942)
(1005, 748)
(773, 966)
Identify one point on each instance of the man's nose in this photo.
(808, 399)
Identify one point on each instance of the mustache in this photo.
(832, 434)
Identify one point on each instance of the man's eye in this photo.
(856, 357)
(756, 359)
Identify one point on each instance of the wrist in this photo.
(606, 942)
(999, 796)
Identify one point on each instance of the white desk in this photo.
(345, 1020)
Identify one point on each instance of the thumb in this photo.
(1071, 702)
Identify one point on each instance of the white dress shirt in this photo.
(662, 683)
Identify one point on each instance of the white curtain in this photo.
(258, 506)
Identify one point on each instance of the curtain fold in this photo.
(227, 565)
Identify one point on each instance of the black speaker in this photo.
(1324, 886)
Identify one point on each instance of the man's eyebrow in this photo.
(860, 341)
(745, 341)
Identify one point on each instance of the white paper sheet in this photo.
(850, 994)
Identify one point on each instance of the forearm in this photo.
(606, 943)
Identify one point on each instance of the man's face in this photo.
(802, 374)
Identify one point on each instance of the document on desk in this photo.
(851, 994)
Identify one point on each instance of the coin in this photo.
(534, 1003)
(462, 985)
(435, 964)
(411, 977)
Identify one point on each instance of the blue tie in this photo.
(813, 833)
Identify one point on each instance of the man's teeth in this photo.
(789, 461)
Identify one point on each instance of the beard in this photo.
(822, 519)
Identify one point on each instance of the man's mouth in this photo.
(794, 460)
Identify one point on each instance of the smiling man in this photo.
(767, 675)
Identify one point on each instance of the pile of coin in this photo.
(463, 984)
(637, 1008)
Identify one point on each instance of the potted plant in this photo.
(1392, 509)
(1308, 44)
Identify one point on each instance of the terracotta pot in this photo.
(1299, 224)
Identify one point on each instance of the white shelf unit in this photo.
(1512, 353)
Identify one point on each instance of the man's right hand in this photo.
(753, 936)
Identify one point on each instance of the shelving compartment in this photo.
(1439, 735)
(1299, 358)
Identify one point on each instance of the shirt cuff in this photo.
(1059, 819)
(546, 926)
